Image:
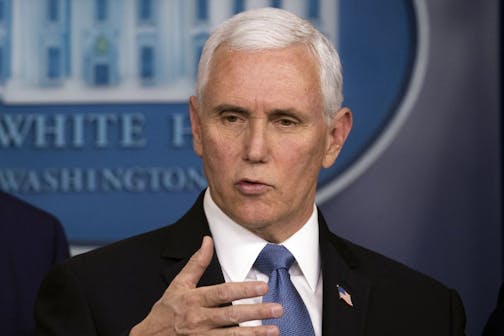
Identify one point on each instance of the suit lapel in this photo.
(184, 239)
(212, 276)
(339, 269)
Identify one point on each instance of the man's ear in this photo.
(194, 114)
(339, 129)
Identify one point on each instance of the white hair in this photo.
(273, 28)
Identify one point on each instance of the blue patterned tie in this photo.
(275, 261)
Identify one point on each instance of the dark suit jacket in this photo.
(107, 291)
(31, 242)
(495, 324)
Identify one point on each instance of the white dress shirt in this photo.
(237, 249)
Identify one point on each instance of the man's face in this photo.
(262, 136)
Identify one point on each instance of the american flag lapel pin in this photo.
(343, 295)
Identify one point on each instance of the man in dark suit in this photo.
(31, 242)
(267, 117)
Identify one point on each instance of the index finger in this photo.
(212, 296)
(195, 267)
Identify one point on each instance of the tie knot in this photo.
(273, 257)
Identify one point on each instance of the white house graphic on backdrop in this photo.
(83, 51)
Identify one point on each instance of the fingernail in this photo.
(261, 289)
(277, 311)
(271, 331)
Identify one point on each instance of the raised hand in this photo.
(185, 309)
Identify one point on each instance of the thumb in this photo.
(196, 266)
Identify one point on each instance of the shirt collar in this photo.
(237, 248)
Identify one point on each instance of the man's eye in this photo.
(231, 118)
(286, 122)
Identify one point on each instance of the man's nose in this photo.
(256, 148)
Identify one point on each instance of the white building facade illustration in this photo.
(88, 51)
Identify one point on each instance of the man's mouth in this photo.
(252, 187)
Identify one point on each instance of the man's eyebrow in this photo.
(286, 112)
(229, 107)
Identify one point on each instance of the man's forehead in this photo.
(294, 63)
(270, 78)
